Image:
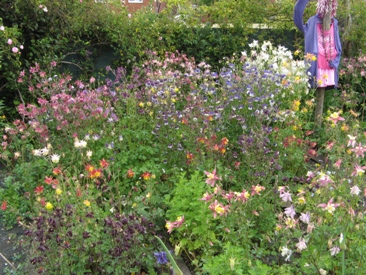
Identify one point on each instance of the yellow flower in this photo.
(141, 104)
(87, 203)
(49, 206)
(58, 191)
(148, 195)
(301, 200)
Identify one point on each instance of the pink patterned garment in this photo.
(326, 51)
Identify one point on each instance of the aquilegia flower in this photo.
(161, 257)
(330, 206)
(212, 178)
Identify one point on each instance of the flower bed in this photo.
(219, 160)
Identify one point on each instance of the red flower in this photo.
(104, 163)
(56, 171)
(130, 173)
(146, 176)
(95, 174)
(38, 190)
(4, 205)
(48, 180)
(89, 168)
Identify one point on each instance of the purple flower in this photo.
(290, 211)
(161, 257)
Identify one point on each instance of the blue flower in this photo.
(161, 257)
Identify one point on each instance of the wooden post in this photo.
(320, 92)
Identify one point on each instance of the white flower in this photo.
(83, 143)
(334, 250)
(322, 271)
(80, 143)
(44, 151)
(45, 9)
(2, 28)
(355, 190)
(89, 154)
(55, 158)
(37, 152)
(285, 252)
(253, 44)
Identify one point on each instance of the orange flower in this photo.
(89, 168)
(224, 141)
(56, 171)
(130, 173)
(146, 176)
(95, 174)
(104, 163)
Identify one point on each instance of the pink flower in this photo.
(243, 196)
(355, 190)
(334, 250)
(359, 170)
(290, 211)
(330, 206)
(257, 189)
(335, 117)
(324, 180)
(212, 178)
(338, 163)
(305, 218)
(15, 50)
(10, 41)
(301, 245)
(359, 150)
(351, 141)
(218, 208)
(206, 197)
(286, 196)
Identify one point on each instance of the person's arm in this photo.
(298, 14)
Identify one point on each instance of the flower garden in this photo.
(227, 167)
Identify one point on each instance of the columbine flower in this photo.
(305, 218)
(49, 206)
(257, 189)
(212, 177)
(217, 208)
(286, 196)
(334, 250)
(44, 151)
(86, 203)
(146, 176)
(104, 163)
(351, 141)
(130, 173)
(359, 170)
(301, 245)
(4, 205)
(330, 206)
(359, 150)
(55, 158)
(285, 252)
(89, 154)
(355, 190)
(161, 257)
(58, 191)
(335, 117)
(290, 211)
(206, 197)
